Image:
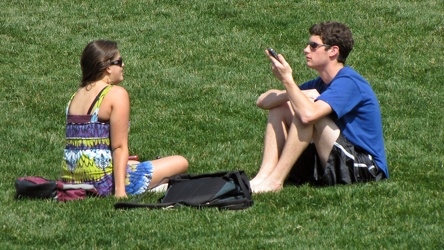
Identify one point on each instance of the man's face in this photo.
(316, 53)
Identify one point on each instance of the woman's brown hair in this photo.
(96, 57)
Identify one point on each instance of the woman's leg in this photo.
(166, 167)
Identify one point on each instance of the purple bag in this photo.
(37, 187)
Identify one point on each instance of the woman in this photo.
(97, 125)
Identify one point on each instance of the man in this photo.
(327, 131)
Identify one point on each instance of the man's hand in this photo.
(281, 69)
(311, 94)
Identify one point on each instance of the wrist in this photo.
(120, 190)
(288, 81)
(289, 84)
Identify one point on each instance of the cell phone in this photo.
(274, 54)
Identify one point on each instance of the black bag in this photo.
(36, 187)
(224, 190)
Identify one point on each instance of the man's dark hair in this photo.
(335, 34)
(96, 57)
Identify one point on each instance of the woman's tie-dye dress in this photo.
(88, 154)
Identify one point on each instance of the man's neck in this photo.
(328, 73)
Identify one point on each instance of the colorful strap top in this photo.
(88, 152)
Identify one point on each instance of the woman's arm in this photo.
(119, 118)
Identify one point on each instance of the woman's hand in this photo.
(120, 194)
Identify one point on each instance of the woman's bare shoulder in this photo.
(117, 96)
(118, 93)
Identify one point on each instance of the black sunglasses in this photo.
(117, 62)
(314, 45)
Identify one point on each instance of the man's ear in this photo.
(334, 51)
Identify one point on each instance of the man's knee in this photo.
(326, 128)
(282, 112)
(325, 134)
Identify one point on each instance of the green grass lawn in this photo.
(194, 70)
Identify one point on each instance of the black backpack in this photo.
(224, 190)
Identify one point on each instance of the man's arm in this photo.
(272, 98)
(305, 109)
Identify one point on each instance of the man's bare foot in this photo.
(266, 186)
(255, 182)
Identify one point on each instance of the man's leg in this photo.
(299, 136)
(279, 120)
(324, 134)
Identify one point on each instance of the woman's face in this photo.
(116, 69)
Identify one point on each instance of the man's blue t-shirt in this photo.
(356, 111)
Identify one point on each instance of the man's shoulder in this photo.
(351, 76)
(349, 72)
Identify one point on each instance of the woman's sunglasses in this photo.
(118, 62)
(314, 45)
